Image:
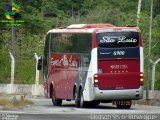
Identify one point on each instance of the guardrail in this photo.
(38, 90)
(35, 90)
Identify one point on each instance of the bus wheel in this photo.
(95, 103)
(55, 101)
(83, 104)
(92, 104)
(77, 101)
(124, 106)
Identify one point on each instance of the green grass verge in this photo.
(8, 104)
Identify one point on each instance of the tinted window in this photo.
(71, 43)
(46, 57)
(46, 49)
(118, 39)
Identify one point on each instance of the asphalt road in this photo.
(44, 110)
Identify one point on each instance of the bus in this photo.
(93, 64)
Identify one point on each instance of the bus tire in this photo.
(76, 97)
(77, 102)
(95, 103)
(55, 101)
(83, 104)
(92, 104)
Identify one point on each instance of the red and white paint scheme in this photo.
(93, 63)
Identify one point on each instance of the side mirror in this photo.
(39, 65)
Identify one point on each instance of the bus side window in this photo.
(71, 43)
(46, 57)
(86, 42)
(60, 43)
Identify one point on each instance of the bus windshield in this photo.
(118, 39)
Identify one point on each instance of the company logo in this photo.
(64, 62)
(12, 15)
(120, 39)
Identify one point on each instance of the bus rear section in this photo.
(119, 74)
(109, 65)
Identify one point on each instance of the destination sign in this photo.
(118, 39)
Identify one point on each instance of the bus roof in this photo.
(89, 28)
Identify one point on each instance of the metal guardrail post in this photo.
(153, 73)
(138, 12)
(37, 71)
(12, 68)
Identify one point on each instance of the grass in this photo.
(8, 104)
